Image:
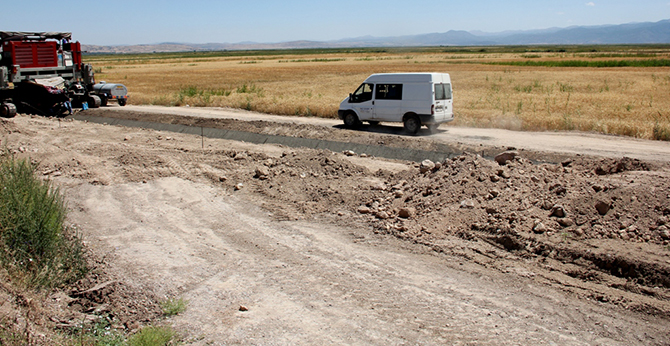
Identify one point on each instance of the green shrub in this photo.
(152, 336)
(173, 306)
(661, 133)
(35, 247)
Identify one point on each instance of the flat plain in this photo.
(622, 90)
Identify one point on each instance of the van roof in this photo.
(409, 77)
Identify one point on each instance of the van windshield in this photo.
(362, 94)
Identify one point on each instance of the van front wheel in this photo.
(412, 124)
(351, 120)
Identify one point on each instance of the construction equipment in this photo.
(43, 73)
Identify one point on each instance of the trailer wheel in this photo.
(122, 102)
(94, 101)
(412, 124)
(103, 101)
(432, 127)
(351, 120)
(8, 110)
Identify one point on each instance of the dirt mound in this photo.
(605, 229)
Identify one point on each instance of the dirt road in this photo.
(552, 142)
(278, 246)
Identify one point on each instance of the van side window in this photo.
(388, 92)
(362, 94)
(443, 91)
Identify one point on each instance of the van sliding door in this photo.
(388, 99)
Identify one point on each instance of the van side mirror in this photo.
(350, 97)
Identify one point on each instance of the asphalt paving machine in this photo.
(43, 73)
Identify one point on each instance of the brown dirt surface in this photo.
(278, 245)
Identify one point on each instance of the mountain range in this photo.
(631, 33)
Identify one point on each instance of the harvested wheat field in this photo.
(610, 90)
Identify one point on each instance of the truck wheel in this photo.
(103, 101)
(122, 102)
(351, 120)
(94, 101)
(412, 124)
(8, 110)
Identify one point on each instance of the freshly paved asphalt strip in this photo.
(294, 142)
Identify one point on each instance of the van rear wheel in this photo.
(351, 120)
(412, 124)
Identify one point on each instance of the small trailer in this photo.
(111, 91)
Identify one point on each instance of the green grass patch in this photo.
(100, 333)
(314, 60)
(249, 89)
(189, 92)
(640, 50)
(152, 336)
(35, 246)
(587, 63)
(172, 306)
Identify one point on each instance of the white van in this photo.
(415, 99)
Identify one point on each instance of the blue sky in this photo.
(201, 21)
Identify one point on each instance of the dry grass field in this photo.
(506, 87)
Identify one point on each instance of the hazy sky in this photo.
(201, 21)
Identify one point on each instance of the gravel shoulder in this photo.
(273, 245)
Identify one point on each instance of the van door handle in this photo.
(373, 103)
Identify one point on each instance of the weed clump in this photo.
(35, 246)
(152, 335)
(661, 133)
(173, 306)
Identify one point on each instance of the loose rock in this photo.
(364, 210)
(603, 207)
(505, 157)
(558, 211)
(407, 212)
(468, 204)
(426, 166)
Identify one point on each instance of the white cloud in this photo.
(590, 4)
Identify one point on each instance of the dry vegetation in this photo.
(489, 91)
